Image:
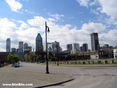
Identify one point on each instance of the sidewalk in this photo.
(93, 65)
(84, 65)
(9, 75)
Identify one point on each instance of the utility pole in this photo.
(46, 30)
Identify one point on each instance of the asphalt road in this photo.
(85, 77)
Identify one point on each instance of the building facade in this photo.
(27, 48)
(39, 43)
(115, 53)
(100, 54)
(76, 47)
(8, 45)
(69, 47)
(56, 47)
(85, 47)
(14, 50)
(20, 50)
(3, 57)
(94, 41)
(73, 51)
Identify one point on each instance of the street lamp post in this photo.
(46, 30)
(57, 55)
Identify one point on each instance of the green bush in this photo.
(102, 62)
(107, 62)
(115, 62)
(83, 62)
(95, 62)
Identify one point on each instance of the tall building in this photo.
(85, 47)
(69, 47)
(14, 50)
(105, 47)
(94, 41)
(8, 45)
(56, 47)
(27, 48)
(73, 51)
(76, 46)
(21, 46)
(39, 45)
(20, 50)
(81, 49)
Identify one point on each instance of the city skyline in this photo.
(70, 21)
(95, 45)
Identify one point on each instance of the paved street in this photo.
(85, 77)
(29, 73)
(89, 77)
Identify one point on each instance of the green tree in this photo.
(66, 57)
(13, 58)
(76, 55)
(23, 59)
(50, 58)
(30, 57)
(39, 58)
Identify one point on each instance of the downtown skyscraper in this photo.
(20, 49)
(39, 43)
(94, 41)
(8, 45)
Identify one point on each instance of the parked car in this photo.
(16, 64)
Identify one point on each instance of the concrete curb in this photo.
(89, 66)
(54, 84)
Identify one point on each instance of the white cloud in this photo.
(57, 17)
(37, 21)
(94, 11)
(14, 5)
(23, 25)
(93, 27)
(109, 7)
(66, 34)
(83, 2)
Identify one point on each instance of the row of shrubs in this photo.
(84, 62)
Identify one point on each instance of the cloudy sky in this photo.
(70, 21)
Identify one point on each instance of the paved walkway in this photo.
(10, 75)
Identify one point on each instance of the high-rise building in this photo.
(76, 46)
(39, 45)
(20, 50)
(56, 47)
(21, 46)
(14, 50)
(81, 49)
(27, 48)
(73, 51)
(94, 41)
(105, 47)
(85, 47)
(69, 47)
(8, 45)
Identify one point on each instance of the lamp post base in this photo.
(47, 72)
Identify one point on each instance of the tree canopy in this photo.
(13, 58)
